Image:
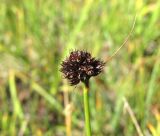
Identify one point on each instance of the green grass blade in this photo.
(78, 26)
(12, 87)
(46, 96)
(152, 86)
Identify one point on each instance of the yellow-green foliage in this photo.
(35, 35)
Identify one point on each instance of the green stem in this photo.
(86, 109)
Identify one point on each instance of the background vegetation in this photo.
(35, 35)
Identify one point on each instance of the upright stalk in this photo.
(87, 109)
(68, 113)
(85, 67)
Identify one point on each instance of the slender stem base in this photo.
(86, 109)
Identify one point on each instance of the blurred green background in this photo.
(35, 35)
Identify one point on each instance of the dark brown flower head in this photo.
(80, 66)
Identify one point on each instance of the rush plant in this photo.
(80, 66)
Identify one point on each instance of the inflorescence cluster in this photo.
(80, 66)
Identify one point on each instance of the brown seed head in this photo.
(80, 66)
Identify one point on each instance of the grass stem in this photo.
(68, 113)
(87, 109)
(13, 90)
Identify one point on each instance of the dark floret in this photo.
(80, 66)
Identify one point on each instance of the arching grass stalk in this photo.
(80, 66)
(87, 108)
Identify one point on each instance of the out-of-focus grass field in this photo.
(35, 35)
